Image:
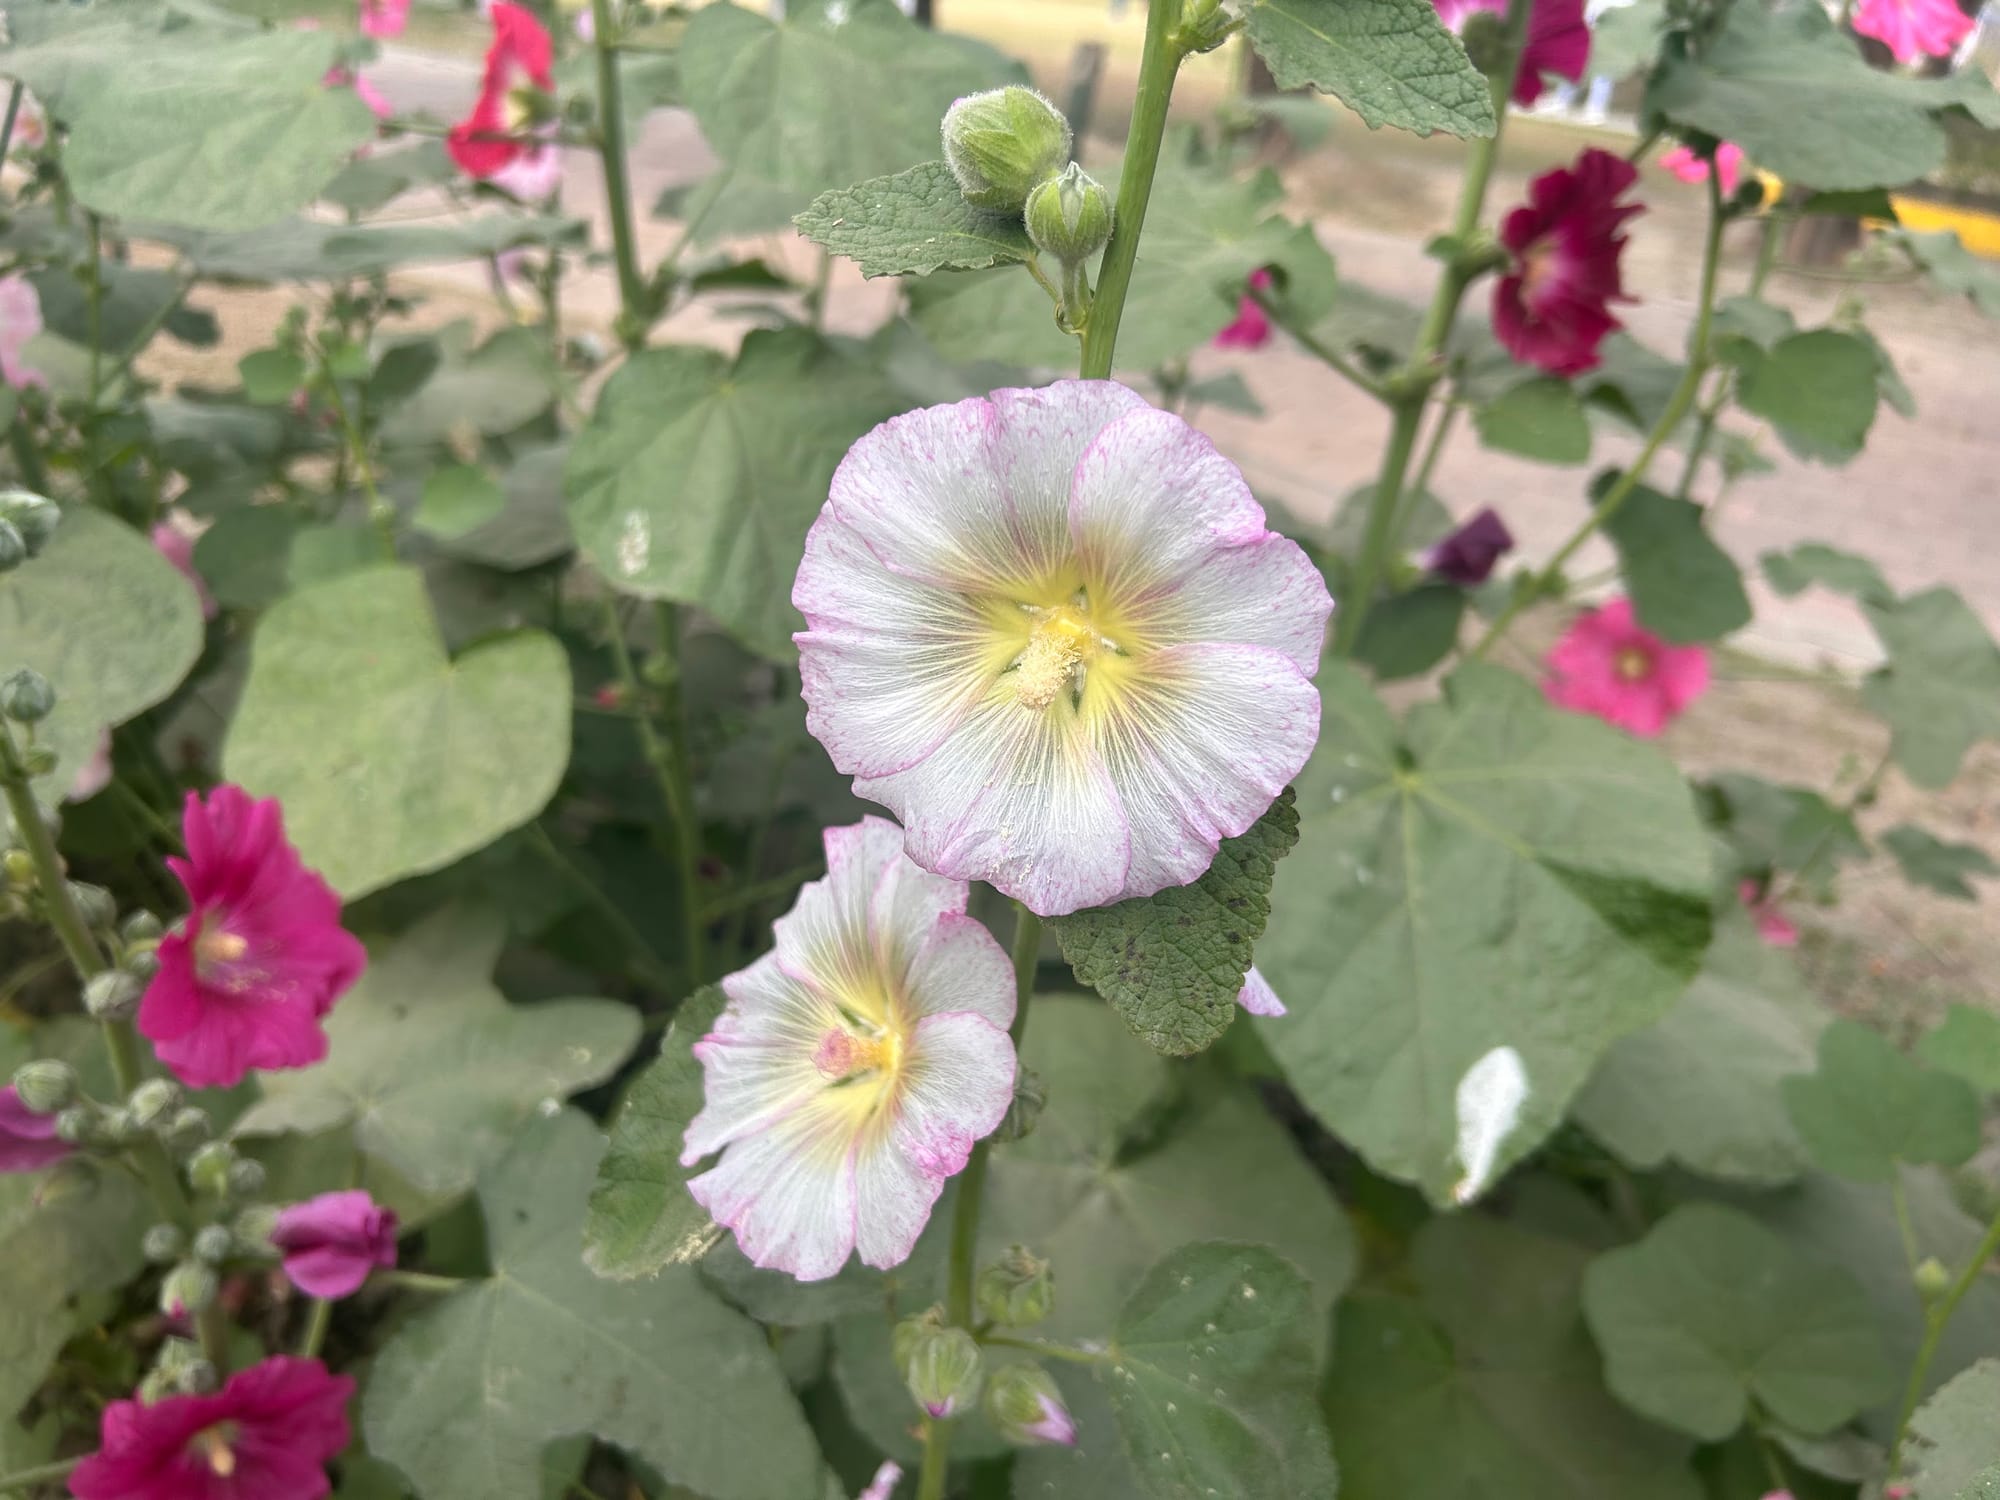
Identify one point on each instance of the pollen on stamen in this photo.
(1058, 647)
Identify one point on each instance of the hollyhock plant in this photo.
(1050, 629)
(266, 1435)
(1608, 665)
(1911, 29)
(383, 19)
(1552, 307)
(1468, 556)
(331, 1243)
(27, 1140)
(1773, 926)
(1251, 328)
(261, 958)
(1558, 39)
(174, 538)
(1689, 167)
(20, 320)
(519, 61)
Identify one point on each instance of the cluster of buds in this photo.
(1016, 1291)
(27, 521)
(1009, 149)
(941, 1364)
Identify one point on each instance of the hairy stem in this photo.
(1332, 358)
(633, 325)
(1725, 386)
(1158, 64)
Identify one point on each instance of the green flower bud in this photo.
(94, 902)
(78, 1125)
(118, 1127)
(189, 1288)
(1485, 38)
(26, 697)
(188, 1129)
(45, 1087)
(1026, 1407)
(1001, 144)
(34, 517)
(246, 1178)
(164, 1244)
(112, 995)
(1932, 1279)
(941, 1365)
(1069, 216)
(1018, 1290)
(143, 966)
(182, 1370)
(19, 869)
(140, 927)
(253, 1228)
(13, 547)
(208, 1168)
(152, 1101)
(213, 1244)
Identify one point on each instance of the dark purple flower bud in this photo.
(1467, 556)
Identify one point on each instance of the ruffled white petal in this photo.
(962, 968)
(758, 1061)
(788, 1192)
(823, 940)
(1263, 593)
(955, 1089)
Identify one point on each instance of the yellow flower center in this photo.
(519, 110)
(213, 947)
(846, 1053)
(1633, 664)
(1058, 653)
(216, 1452)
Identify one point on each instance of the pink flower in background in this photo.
(27, 1140)
(521, 58)
(31, 126)
(1558, 39)
(1258, 997)
(1552, 309)
(1911, 29)
(20, 320)
(856, 1064)
(1468, 556)
(1773, 926)
(1051, 630)
(1610, 666)
(266, 1435)
(174, 538)
(331, 1243)
(1251, 328)
(244, 981)
(883, 1485)
(94, 775)
(1684, 164)
(383, 19)
(378, 104)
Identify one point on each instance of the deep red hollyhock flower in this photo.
(1552, 307)
(1467, 557)
(1558, 40)
(244, 981)
(27, 1140)
(266, 1435)
(520, 57)
(331, 1243)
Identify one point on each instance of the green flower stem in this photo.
(149, 1158)
(380, 511)
(7, 125)
(420, 1281)
(965, 1214)
(1158, 64)
(1043, 1349)
(1725, 385)
(1936, 1317)
(1409, 392)
(645, 961)
(26, 1479)
(1332, 358)
(316, 1326)
(1670, 419)
(636, 321)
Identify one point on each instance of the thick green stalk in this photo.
(1936, 1317)
(1670, 419)
(1158, 64)
(680, 772)
(633, 325)
(965, 1213)
(1711, 409)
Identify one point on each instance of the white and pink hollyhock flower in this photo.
(1911, 29)
(855, 1065)
(1051, 630)
(20, 320)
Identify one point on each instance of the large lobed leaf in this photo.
(1683, 586)
(1495, 874)
(911, 224)
(1172, 963)
(391, 758)
(1957, 1442)
(466, 1394)
(1390, 61)
(1940, 689)
(1871, 1107)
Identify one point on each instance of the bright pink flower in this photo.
(174, 538)
(1610, 666)
(1684, 164)
(1558, 40)
(1773, 926)
(383, 19)
(1552, 308)
(1251, 329)
(20, 320)
(331, 1243)
(266, 1435)
(1911, 29)
(244, 981)
(521, 58)
(27, 1140)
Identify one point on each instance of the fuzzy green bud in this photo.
(213, 1244)
(34, 517)
(181, 1370)
(1026, 1407)
(253, 1227)
(140, 927)
(1485, 38)
(94, 903)
(46, 1086)
(78, 1125)
(941, 1365)
(1018, 1290)
(164, 1244)
(26, 697)
(112, 996)
(1002, 144)
(1069, 216)
(246, 1178)
(208, 1168)
(189, 1288)
(152, 1101)
(188, 1129)
(1932, 1279)
(13, 547)
(19, 868)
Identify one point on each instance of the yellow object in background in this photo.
(1977, 229)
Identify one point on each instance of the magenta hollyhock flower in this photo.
(1911, 29)
(20, 320)
(1688, 167)
(331, 1243)
(1773, 926)
(383, 19)
(855, 1065)
(1050, 630)
(173, 538)
(244, 981)
(1251, 328)
(1558, 39)
(1552, 308)
(1608, 665)
(520, 60)
(27, 1140)
(266, 1435)
(1467, 557)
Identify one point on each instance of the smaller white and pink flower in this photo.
(20, 320)
(856, 1064)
